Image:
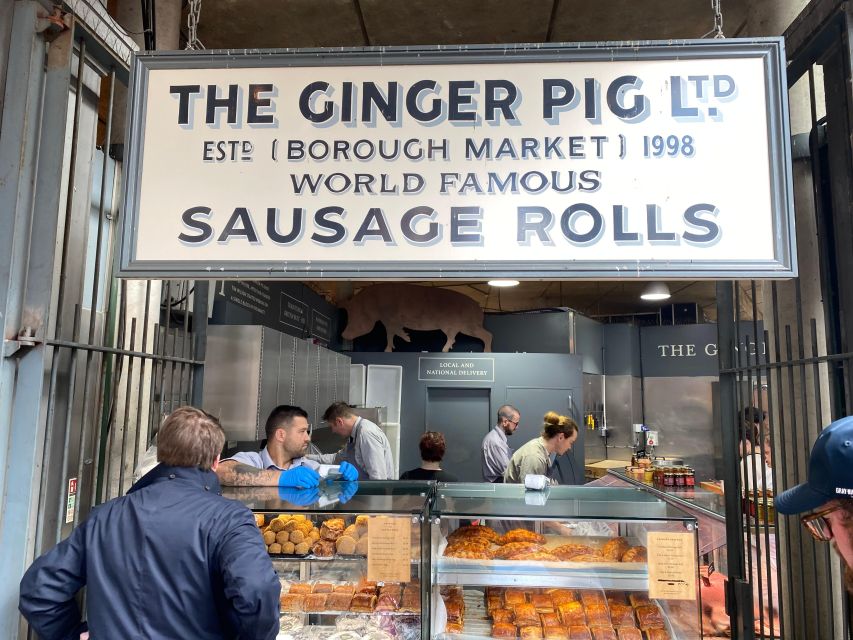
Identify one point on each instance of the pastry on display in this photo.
(292, 601)
(514, 597)
(649, 616)
(550, 619)
(530, 632)
(300, 587)
(555, 633)
(315, 602)
(629, 633)
(275, 547)
(322, 587)
(636, 554)
(469, 553)
(455, 608)
(562, 596)
(568, 551)
(366, 586)
(591, 596)
(469, 543)
(506, 551)
(288, 548)
(361, 546)
(535, 556)
(345, 545)
(595, 556)
(474, 531)
(302, 549)
(453, 627)
(579, 633)
(363, 603)
(332, 529)
(323, 548)
(571, 613)
(603, 633)
(390, 597)
(614, 549)
(411, 602)
(621, 615)
(525, 614)
(597, 615)
(503, 630)
(542, 602)
(338, 601)
(502, 615)
(269, 537)
(656, 634)
(639, 599)
(521, 535)
(343, 588)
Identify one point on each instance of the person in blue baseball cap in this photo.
(828, 493)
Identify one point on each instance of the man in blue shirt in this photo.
(171, 559)
(282, 462)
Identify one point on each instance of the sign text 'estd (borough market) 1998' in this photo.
(598, 161)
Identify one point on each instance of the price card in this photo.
(389, 549)
(672, 565)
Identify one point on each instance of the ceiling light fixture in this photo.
(503, 283)
(655, 291)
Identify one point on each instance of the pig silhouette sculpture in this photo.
(420, 308)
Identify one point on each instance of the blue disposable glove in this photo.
(299, 497)
(348, 490)
(348, 472)
(304, 477)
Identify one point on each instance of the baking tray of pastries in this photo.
(296, 536)
(559, 614)
(482, 546)
(351, 597)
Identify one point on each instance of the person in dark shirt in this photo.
(432, 446)
(171, 559)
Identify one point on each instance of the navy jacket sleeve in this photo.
(251, 584)
(48, 588)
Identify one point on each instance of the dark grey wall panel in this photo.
(621, 349)
(546, 332)
(681, 409)
(588, 338)
(511, 372)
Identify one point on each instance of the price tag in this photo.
(389, 549)
(672, 565)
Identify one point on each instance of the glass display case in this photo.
(349, 556)
(569, 562)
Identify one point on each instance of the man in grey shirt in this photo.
(496, 451)
(367, 445)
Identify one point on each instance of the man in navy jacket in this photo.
(171, 559)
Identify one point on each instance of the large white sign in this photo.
(641, 161)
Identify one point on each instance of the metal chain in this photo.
(718, 19)
(193, 17)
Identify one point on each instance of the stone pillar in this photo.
(813, 602)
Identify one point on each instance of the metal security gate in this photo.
(782, 582)
(91, 364)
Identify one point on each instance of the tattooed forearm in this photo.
(236, 474)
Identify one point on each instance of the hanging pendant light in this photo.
(655, 291)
